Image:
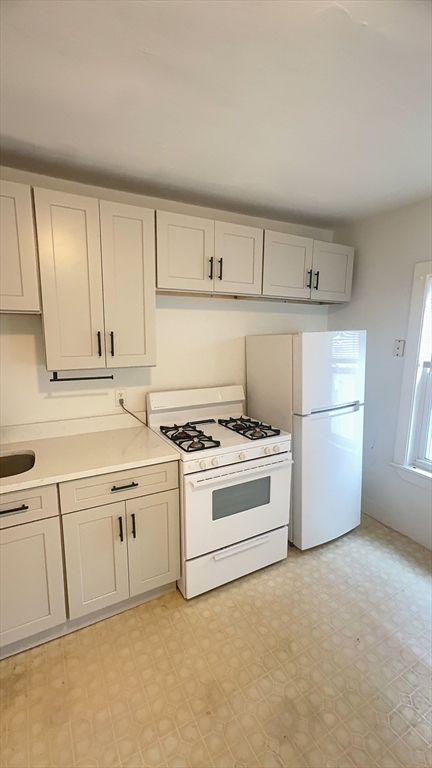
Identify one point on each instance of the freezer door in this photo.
(329, 370)
(327, 452)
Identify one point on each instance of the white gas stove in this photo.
(235, 484)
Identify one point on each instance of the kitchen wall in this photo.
(200, 341)
(387, 248)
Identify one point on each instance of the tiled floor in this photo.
(322, 660)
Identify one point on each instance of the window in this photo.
(414, 436)
(420, 448)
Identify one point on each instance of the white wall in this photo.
(200, 342)
(387, 248)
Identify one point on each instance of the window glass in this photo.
(238, 498)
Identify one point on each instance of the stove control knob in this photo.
(242, 456)
(215, 462)
(203, 464)
(267, 450)
(276, 449)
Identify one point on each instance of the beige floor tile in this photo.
(316, 661)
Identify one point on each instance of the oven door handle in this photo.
(200, 482)
(244, 547)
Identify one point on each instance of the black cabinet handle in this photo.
(220, 268)
(112, 343)
(99, 342)
(121, 528)
(133, 525)
(211, 268)
(22, 508)
(317, 280)
(123, 487)
(309, 282)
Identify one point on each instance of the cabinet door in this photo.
(332, 271)
(71, 279)
(287, 265)
(19, 290)
(128, 258)
(153, 540)
(31, 582)
(238, 258)
(96, 558)
(185, 252)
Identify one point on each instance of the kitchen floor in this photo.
(321, 660)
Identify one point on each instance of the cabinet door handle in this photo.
(99, 343)
(22, 508)
(133, 525)
(112, 343)
(120, 520)
(309, 282)
(316, 280)
(211, 268)
(220, 268)
(123, 487)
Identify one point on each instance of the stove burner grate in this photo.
(189, 438)
(250, 428)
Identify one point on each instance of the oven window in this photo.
(238, 498)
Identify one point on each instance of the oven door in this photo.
(230, 504)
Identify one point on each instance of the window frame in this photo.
(421, 422)
(412, 421)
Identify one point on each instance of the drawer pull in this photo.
(123, 487)
(241, 548)
(22, 508)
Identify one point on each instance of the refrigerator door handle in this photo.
(339, 410)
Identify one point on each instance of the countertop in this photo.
(73, 456)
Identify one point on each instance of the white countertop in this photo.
(73, 456)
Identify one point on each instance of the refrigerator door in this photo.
(327, 475)
(329, 370)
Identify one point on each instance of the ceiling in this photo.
(313, 111)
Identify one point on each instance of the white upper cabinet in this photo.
(90, 322)
(332, 271)
(238, 259)
(128, 259)
(185, 252)
(19, 290)
(71, 279)
(287, 265)
(302, 268)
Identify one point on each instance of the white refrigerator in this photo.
(312, 385)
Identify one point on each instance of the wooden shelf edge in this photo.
(240, 297)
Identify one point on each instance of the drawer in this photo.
(117, 486)
(210, 571)
(28, 506)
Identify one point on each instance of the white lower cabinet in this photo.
(32, 597)
(153, 541)
(120, 550)
(96, 558)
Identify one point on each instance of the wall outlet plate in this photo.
(120, 394)
(399, 348)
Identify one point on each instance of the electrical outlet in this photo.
(399, 348)
(120, 394)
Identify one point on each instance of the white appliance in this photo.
(312, 384)
(235, 480)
